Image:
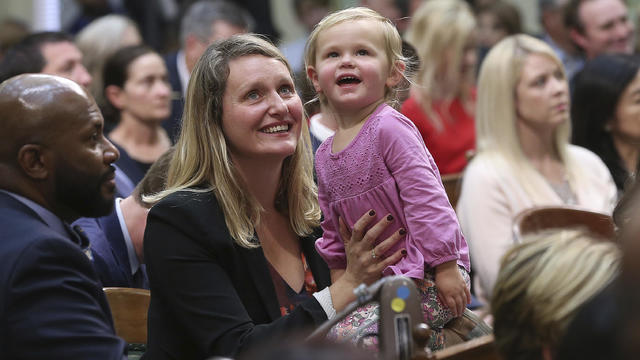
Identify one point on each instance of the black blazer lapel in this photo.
(259, 272)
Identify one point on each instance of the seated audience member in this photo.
(54, 53)
(97, 47)
(524, 159)
(116, 239)
(599, 26)
(399, 12)
(136, 88)
(542, 283)
(229, 246)
(51, 53)
(556, 34)
(55, 166)
(496, 21)
(308, 13)
(605, 114)
(204, 22)
(442, 101)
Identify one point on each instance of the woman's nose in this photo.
(278, 105)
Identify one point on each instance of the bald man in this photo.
(55, 166)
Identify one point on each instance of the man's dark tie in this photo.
(79, 237)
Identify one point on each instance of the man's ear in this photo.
(33, 161)
(313, 76)
(114, 95)
(579, 38)
(396, 75)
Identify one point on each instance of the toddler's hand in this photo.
(452, 290)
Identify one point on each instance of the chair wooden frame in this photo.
(452, 185)
(129, 309)
(552, 217)
(482, 348)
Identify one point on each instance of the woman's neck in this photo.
(262, 179)
(144, 142)
(629, 152)
(136, 132)
(539, 148)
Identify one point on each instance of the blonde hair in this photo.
(202, 157)
(496, 132)
(541, 285)
(97, 42)
(392, 42)
(439, 31)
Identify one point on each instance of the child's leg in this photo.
(436, 314)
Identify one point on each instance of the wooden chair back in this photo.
(452, 185)
(129, 310)
(551, 217)
(482, 348)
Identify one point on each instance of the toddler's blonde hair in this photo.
(392, 40)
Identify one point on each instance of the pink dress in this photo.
(387, 168)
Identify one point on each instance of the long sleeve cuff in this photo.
(324, 298)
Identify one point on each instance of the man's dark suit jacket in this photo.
(173, 123)
(210, 296)
(110, 256)
(51, 303)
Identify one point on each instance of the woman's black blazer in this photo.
(210, 296)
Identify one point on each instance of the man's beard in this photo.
(84, 193)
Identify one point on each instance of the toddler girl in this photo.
(377, 161)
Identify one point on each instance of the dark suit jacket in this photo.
(173, 123)
(110, 256)
(51, 303)
(210, 296)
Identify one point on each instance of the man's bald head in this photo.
(52, 148)
(30, 104)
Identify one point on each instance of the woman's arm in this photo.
(486, 219)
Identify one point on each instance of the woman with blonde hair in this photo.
(101, 39)
(229, 246)
(541, 285)
(524, 158)
(442, 100)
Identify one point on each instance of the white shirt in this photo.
(183, 72)
(131, 252)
